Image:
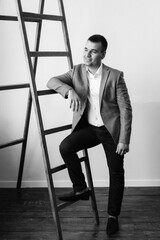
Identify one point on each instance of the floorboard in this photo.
(26, 215)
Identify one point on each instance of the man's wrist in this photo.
(67, 94)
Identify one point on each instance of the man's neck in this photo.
(93, 70)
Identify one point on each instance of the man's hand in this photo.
(75, 101)
(122, 148)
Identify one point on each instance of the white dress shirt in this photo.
(94, 80)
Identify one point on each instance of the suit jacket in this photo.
(115, 107)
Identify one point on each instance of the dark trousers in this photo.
(87, 137)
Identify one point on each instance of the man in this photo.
(102, 113)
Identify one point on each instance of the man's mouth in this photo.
(87, 60)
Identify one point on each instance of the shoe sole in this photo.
(84, 197)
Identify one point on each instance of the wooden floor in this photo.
(27, 216)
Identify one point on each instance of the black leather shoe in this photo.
(72, 196)
(112, 225)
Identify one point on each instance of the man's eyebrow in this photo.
(93, 49)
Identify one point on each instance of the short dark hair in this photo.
(99, 38)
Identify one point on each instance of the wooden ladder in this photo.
(34, 97)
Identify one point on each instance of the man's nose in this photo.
(88, 54)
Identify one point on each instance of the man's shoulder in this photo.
(82, 66)
(79, 66)
(114, 70)
(78, 69)
(113, 73)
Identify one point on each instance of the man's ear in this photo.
(103, 54)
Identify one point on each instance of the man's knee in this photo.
(64, 147)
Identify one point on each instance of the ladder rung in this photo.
(14, 18)
(57, 169)
(58, 129)
(49, 54)
(8, 18)
(46, 92)
(35, 16)
(63, 166)
(15, 86)
(12, 143)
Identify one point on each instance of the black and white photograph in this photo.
(79, 120)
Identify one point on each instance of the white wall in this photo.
(132, 30)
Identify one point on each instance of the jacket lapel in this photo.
(105, 74)
(85, 80)
(84, 73)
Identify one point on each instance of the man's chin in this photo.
(87, 63)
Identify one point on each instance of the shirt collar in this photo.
(97, 73)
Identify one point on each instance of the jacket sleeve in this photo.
(123, 101)
(62, 83)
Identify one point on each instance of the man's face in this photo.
(93, 54)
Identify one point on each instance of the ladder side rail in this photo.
(25, 134)
(28, 112)
(85, 152)
(32, 79)
(50, 181)
(90, 183)
(39, 121)
(24, 144)
(65, 33)
(38, 35)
